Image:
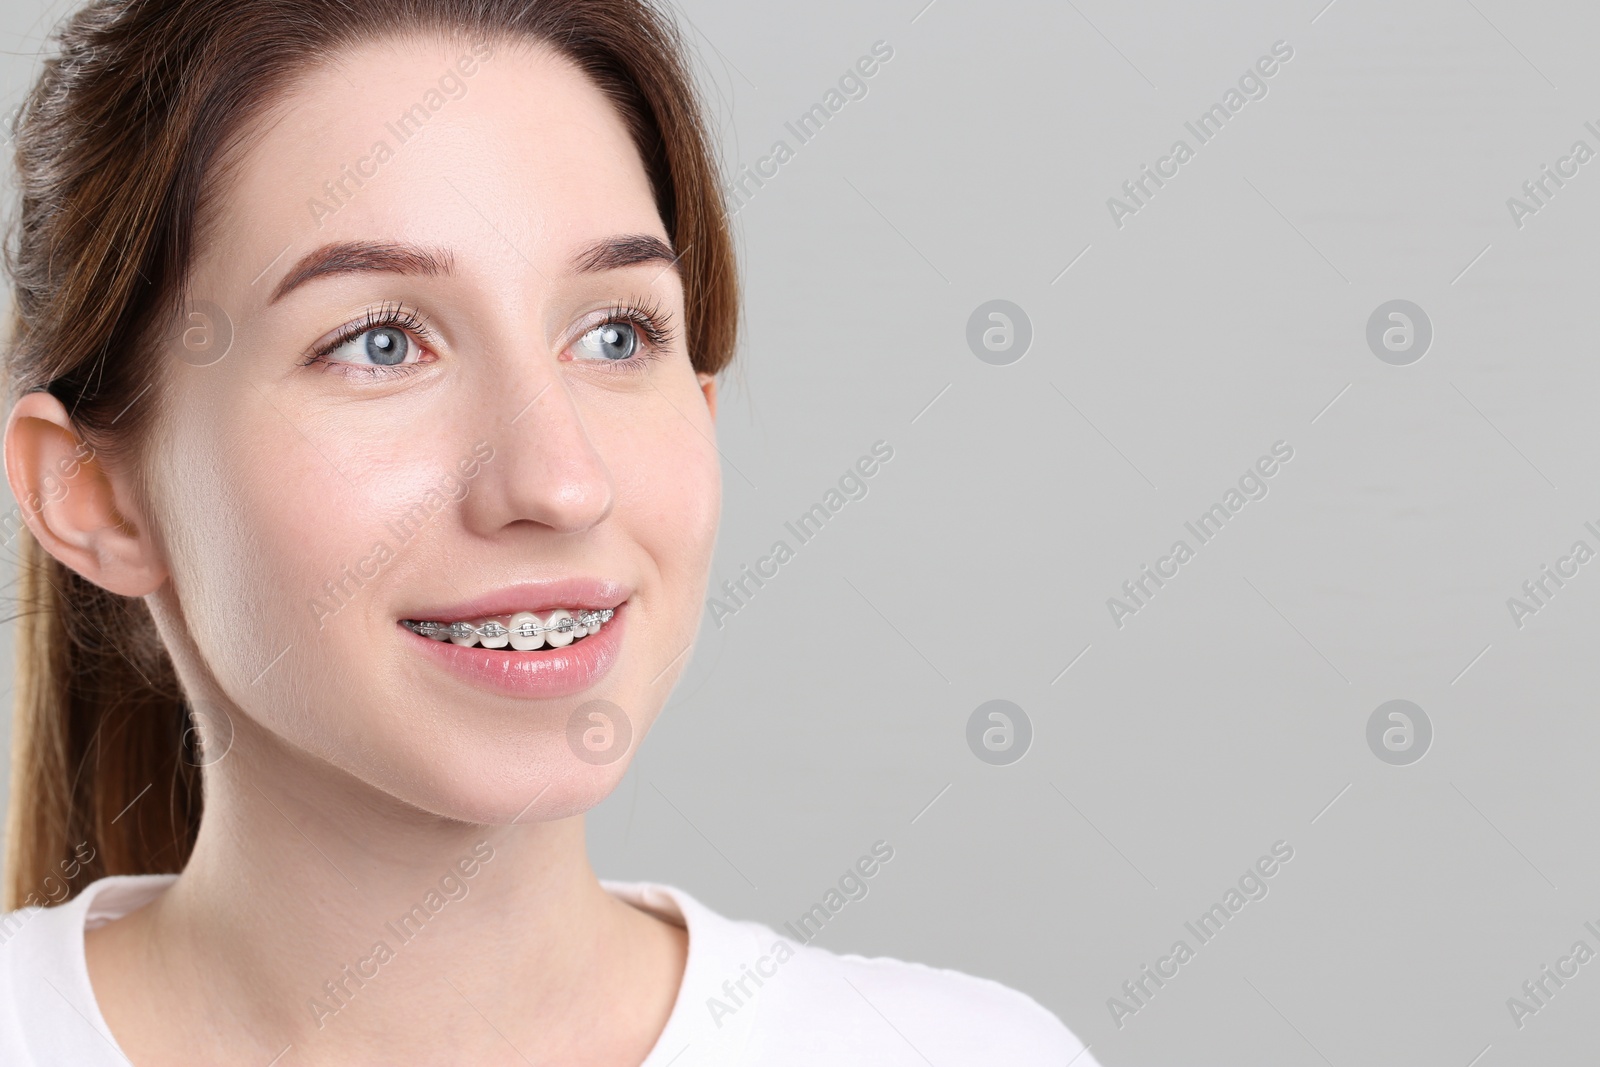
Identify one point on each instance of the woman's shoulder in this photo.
(774, 996)
(34, 939)
(962, 1016)
(47, 1007)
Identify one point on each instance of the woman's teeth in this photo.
(523, 631)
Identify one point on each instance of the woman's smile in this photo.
(562, 669)
(532, 640)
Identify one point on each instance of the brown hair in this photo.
(117, 146)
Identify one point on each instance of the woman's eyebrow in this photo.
(624, 250)
(349, 257)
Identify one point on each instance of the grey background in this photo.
(1231, 712)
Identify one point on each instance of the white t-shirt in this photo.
(810, 1007)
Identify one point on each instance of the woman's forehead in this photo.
(510, 151)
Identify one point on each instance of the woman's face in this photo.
(456, 389)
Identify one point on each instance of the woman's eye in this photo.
(610, 340)
(385, 346)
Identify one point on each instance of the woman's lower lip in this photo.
(546, 673)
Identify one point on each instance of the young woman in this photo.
(363, 381)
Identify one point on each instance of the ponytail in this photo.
(103, 774)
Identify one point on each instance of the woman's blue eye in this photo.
(385, 346)
(609, 340)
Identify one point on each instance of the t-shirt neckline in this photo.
(114, 896)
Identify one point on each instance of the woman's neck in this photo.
(318, 913)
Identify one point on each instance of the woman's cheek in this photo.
(678, 501)
(252, 564)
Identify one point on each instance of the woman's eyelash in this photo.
(650, 320)
(647, 316)
(392, 315)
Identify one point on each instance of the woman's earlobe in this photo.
(708, 387)
(71, 503)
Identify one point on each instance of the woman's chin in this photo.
(495, 793)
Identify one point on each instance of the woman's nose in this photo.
(544, 468)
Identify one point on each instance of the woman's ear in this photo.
(708, 386)
(81, 514)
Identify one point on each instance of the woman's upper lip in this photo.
(594, 594)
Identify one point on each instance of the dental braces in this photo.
(493, 629)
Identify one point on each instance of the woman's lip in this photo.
(547, 673)
(595, 594)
